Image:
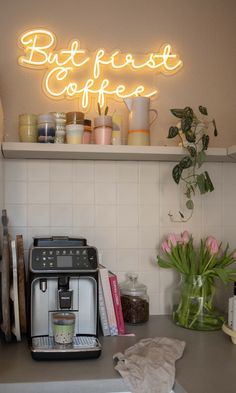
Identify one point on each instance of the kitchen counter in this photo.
(207, 366)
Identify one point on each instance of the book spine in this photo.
(102, 310)
(108, 301)
(117, 303)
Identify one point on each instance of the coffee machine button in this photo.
(58, 252)
(44, 252)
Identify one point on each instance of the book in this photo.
(117, 303)
(102, 310)
(105, 283)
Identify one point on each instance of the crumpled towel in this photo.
(149, 365)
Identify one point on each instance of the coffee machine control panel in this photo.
(63, 259)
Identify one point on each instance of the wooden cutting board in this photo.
(5, 273)
(21, 282)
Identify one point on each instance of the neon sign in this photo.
(74, 72)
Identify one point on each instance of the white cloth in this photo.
(149, 365)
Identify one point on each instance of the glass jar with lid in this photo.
(134, 300)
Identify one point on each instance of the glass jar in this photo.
(60, 126)
(46, 128)
(134, 300)
(28, 127)
(87, 131)
(195, 308)
(74, 118)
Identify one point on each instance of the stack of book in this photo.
(110, 310)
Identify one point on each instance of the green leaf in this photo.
(176, 173)
(201, 157)
(190, 204)
(209, 182)
(215, 129)
(203, 110)
(173, 131)
(190, 136)
(205, 141)
(186, 162)
(192, 151)
(188, 112)
(201, 183)
(186, 123)
(188, 192)
(164, 264)
(177, 112)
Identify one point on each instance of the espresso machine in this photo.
(63, 277)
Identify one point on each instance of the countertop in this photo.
(208, 364)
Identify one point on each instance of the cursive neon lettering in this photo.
(61, 65)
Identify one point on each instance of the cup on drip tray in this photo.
(63, 325)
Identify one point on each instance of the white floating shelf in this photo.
(18, 150)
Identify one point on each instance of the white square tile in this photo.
(105, 216)
(15, 170)
(38, 215)
(127, 193)
(38, 192)
(149, 172)
(149, 194)
(149, 215)
(61, 231)
(154, 303)
(105, 238)
(127, 171)
(127, 260)
(105, 193)
(127, 215)
(148, 237)
(38, 170)
(108, 258)
(105, 171)
(83, 216)
(84, 232)
(83, 193)
(15, 192)
(17, 215)
(83, 171)
(61, 215)
(61, 170)
(61, 192)
(151, 280)
(127, 237)
(148, 260)
(37, 232)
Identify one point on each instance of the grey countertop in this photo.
(207, 366)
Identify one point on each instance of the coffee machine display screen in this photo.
(64, 261)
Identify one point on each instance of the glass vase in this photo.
(195, 309)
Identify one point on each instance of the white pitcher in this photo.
(139, 122)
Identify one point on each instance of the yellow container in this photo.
(139, 137)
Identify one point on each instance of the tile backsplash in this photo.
(120, 207)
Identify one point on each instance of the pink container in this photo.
(103, 130)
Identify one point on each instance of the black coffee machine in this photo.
(63, 277)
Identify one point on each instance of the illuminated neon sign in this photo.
(74, 72)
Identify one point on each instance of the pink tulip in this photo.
(212, 245)
(234, 255)
(165, 247)
(172, 239)
(185, 237)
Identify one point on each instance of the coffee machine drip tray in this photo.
(83, 347)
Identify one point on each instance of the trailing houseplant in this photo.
(199, 267)
(193, 133)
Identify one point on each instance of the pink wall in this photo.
(203, 33)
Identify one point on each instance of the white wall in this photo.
(202, 32)
(120, 207)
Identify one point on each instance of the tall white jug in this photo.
(139, 122)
